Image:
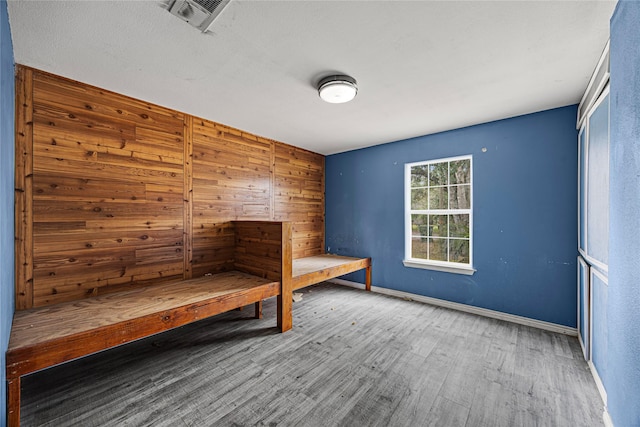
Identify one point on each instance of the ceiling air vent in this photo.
(198, 13)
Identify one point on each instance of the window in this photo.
(438, 215)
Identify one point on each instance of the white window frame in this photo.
(446, 266)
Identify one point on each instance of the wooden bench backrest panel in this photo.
(261, 248)
(114, 193)
(265, 249)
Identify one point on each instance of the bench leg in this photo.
(285, 305)
(258, 314)
(368, 279)
(285, 315)
(13, 402)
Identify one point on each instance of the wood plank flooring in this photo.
(352, 359)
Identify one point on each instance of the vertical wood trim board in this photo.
(285, 302)
(272, 163)
(114, 192)
(188, 197)
(23, 189)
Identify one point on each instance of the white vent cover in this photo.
(198, 13)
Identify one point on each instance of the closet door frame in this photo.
(584, 315)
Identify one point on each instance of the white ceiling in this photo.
(421, 66)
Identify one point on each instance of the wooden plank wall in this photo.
(113, 192)
(231, 181)
(299, 197)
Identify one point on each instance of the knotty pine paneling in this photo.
(107, 191)
(113, 192)
(299, 197)
(24, 189)
(231, 181)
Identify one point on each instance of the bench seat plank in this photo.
(315, 269)
(46, 336)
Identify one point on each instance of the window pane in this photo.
(419, 225)
(419, 198)
(438, 226)
(460, 172)
(419, 248)
(459, 225)
(459, 251)
(419, 176)
(440, 211)
(438, 249)
(438, 173)
(438, 198)
(460, 197)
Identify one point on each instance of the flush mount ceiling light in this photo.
(337, 89)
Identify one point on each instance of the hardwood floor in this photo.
(351, 359)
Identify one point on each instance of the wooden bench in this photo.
(315, 269)
(47, 336)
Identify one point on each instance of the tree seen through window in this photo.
(440, 211)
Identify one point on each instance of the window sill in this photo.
(439, 267)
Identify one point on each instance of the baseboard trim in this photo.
(608, 422)
(599, 384)
(548, 326)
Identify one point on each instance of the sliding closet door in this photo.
(597, 213)
(593, 221)
(593, 236)
(593, 229)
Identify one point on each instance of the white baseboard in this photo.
(548, 326)
(599, 384)
(607, 418)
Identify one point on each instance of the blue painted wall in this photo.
(6, 195)
(623, 385)
(525, 210)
